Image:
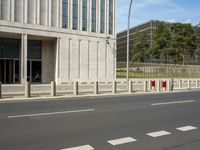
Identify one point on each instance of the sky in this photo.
(185, 11)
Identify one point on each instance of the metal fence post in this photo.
(27, 90)
(0, 90)
(96, 86)
(114, 90)
(53, 88)
(130, 88)
(75, 88)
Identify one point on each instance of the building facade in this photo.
(57, 40)
(146, 27)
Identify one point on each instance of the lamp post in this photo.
(129, 14)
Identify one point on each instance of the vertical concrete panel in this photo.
(93, 60)
(37, 12)
(24, 57)
(5, 13)
(64, 59)
(84, 60)
(48, 63)
(70, 14)
(49, 12)
(43, 12)
(31, 11)
(54, 13)
(101, 59)
(74, 61)
(88, 15)
(25, 12)
(19, 10)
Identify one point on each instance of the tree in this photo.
(161, 41)
(197, 35)
(140, 45)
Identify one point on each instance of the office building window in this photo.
(65, 13)
(102, 17)
(75, 14)
(93, 15)
(110, 16)
(84, 15)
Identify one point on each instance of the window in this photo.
(110, 16)
(75, 14)
(65, 13)
(102, 22)
(93, 15)
(34, 49)
(84, 15)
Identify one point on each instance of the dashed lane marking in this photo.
(122, 141)
(51, 113)
(158, 134)
(186, 128)
(84, 147)
(170, 103)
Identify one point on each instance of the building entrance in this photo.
(34, 71)
(9, 71)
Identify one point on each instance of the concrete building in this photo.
(146, 27)
(61, 40)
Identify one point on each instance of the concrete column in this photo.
(43, 12)
(114, 87)
(80, 15)
(130, 87)
(37, 12)
(27, 90)
(53, 88)
(19, 10)
(70, 18)
(114, 17)
(25, 13)
(57, 69)
(97, 16)
(96, 87)
(145, 86)
(49, 12)
(60, 14)
(54, 15)
(106, 16)
(5, 12)
(75, 88)
(12, 10)
(0, 90)
(31, 11)
(24, 56)
(88, 15)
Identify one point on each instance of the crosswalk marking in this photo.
(186, 128)
(84, 147)
(122, 141)
(158, 134)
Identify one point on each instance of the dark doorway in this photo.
(34, 71)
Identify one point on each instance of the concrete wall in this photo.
(48, 61)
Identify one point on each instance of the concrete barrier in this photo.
(75, 88)
(27, 90)
(145, 86)
(158, 85)
(189, 84)
(96, 87)
(114, 87)
(180, 84)
(53, 88)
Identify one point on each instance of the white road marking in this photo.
(158, 134)
(170, 103)
(187, 128)
(122, 141)
(84, 147)
(51, 113)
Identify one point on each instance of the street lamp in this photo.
(128, 35)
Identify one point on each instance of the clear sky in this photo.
(185, 11)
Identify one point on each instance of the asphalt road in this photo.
(146, 122)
